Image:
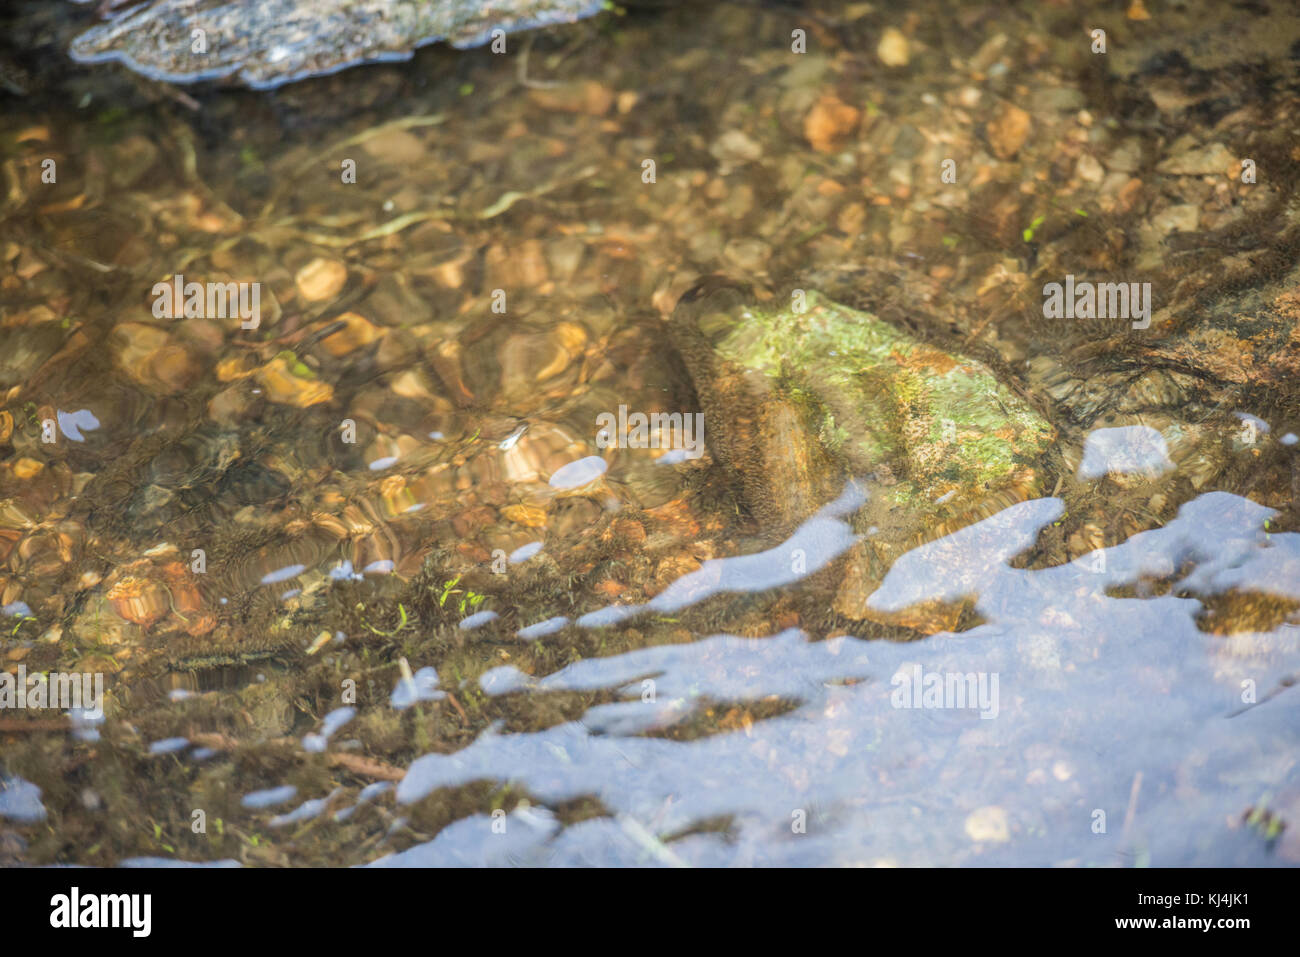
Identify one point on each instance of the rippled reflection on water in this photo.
(1104, 704)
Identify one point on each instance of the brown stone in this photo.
(1008, 131)
(829, 121)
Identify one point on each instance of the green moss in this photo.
(874, 395)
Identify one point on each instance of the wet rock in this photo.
(893, 48)
(130, 160)
(1008, 130)
(266, 43)
(749, 256)
(289, 382)
(796, 403)
(591, 97)
(1182, 218)
(529, 516)
(26, 468)
(735, 148)
(396, 147)
(1089, 170)
(321, 279)
(150, 356)
(828, 122)
(357, 333)
(140, 601)
(1187, 159)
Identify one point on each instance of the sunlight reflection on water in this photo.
(1094, 690)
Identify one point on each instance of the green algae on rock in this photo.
(266, 43)
(800, 400)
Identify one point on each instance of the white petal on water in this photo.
(71, 423)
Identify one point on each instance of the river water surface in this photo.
(366, 587)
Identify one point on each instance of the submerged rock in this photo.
(799, 402)
(266, 43)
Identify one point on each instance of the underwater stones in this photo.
(25, 468)
(1155, 389)
(321, 279)
(289, 382)
(445, 358)
(530, 359)
(799, 404)
(152, 358)
(140, 601)
(735, 148)
(519, 267)
(564, 255)
(357, 333)
(415, 384)
(1008, 130)
(893, 48)
(396, 146)
(130, 159)
(1181, 218)
(828, 122)
(159, 591)
(1188, 159)
(14, 517)
(529, 516)
(269, 709)
(796, 403)
(750, 256)
(542, 449)
(231, 406)
(591, 97)
(988, 825)
(45, 552)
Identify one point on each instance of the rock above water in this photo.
(266, 43)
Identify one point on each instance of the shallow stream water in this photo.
(365, 587)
